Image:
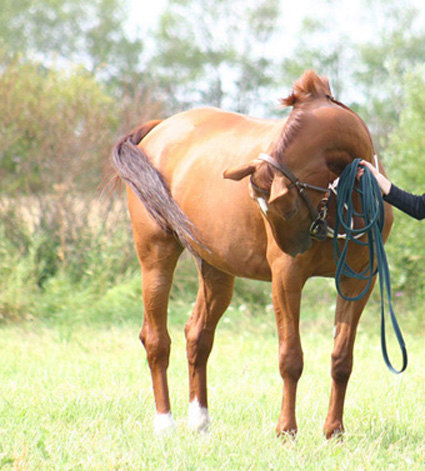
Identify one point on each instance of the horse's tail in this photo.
(134, 167)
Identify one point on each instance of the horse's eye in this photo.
(258, 189)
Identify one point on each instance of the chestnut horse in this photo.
(187, 188)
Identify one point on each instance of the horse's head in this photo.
(319, 138)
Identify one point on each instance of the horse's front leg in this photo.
(346, 320)
(286, 289)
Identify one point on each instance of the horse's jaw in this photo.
(295, 248)
(288, 237)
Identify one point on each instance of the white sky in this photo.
(145, 13)
(349, 18)
(350, 15)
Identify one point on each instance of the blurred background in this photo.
(77, 74)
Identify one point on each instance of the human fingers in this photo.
(371, 167)
(360, 172)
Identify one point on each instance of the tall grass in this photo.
(58, 254)
(72, 259)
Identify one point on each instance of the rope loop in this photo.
(373, 216)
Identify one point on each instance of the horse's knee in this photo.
(341, 367)
(291, 363)
(157, 347)
(198, 344)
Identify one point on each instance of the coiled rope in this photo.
(372, 213)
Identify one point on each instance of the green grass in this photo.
(78, 397)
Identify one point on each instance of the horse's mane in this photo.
(291, 128)
(309, 86)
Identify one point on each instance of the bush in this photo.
(56, 129)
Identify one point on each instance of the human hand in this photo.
(360, 172)
(383, 182)
(361, 169)
(371, 167)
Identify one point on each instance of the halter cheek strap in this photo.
(300, 186)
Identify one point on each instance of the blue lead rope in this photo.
(373, 215)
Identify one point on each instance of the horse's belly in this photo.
(230, 225)
(238, 263)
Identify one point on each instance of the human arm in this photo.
(413, 205)
(383, 182)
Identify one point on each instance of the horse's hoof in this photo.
(335, 431)
(286, 433)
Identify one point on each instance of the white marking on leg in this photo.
(198, 417)
(163, 423)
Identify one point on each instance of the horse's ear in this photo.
(289, 100)
(241, 171)
(277, 189)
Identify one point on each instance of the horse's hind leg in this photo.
(158, 252)
(214, 295)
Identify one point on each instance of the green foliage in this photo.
(72, 32)
(404, 162)
(312, 51)
(66, 268)
(56, 133)
(384, 62)
(18, 280)
(217, 52)
(52, 128)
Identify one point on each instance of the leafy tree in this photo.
(315, 51)
(405, 168)
(59, 32)
(53, 128)
(215, 52)
(384, 61)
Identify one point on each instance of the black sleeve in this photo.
(413, 205)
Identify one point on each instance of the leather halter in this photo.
(318, 228)
(289, 175)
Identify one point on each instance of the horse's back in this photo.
(208, 133)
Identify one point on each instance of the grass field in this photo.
(79, 398)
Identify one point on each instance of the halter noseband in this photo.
(318, 228)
